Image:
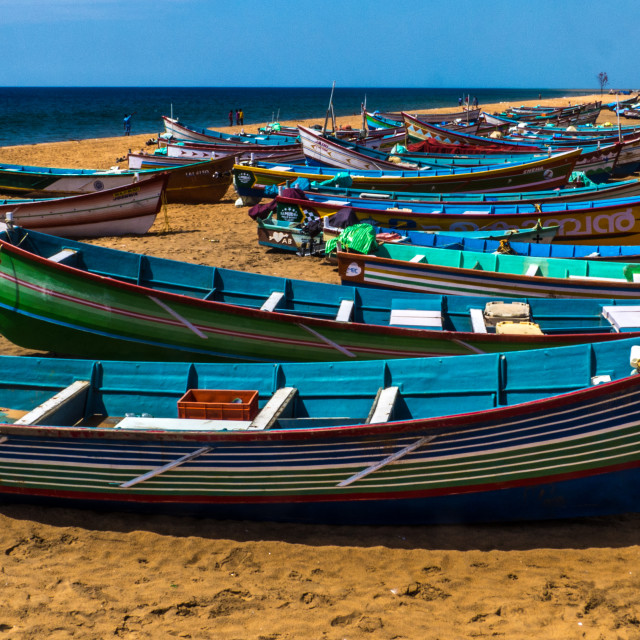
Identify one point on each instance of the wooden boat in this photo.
(597, 164)
(203, 182)
(419, 130)
(85, 300)
(287, 236)
(576, 131)
(572, 193)
(384, 118)
(130, 209)
(410, 268)
(551, 172)
(177, 131)
(138, 161)
(603, 222)
(496, 437)
(534, 243)
(203, 151)
(628, 155)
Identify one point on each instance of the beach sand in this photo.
(79, 574)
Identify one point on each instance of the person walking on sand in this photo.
(127, 123)
(231, 117)
(241, 116)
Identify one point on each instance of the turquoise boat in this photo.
(85, 300)
(490, 438)
(428, 270)
(535, 247)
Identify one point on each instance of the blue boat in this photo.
(487, 438)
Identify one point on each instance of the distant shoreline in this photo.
(45, 114)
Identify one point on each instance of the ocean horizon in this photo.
(51, 114)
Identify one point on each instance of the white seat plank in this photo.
(272, 301)
(64, 408)
(416, 318)
(62, 255)
(383, 405)
(477, 321)
(274, 408)
(345, 311)
(622, 317)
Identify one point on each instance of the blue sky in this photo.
(357, 43)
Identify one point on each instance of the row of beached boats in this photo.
(231, 394)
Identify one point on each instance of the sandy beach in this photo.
(79, 574)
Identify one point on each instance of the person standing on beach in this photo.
(127, 123)
(237, 116)
(231, 117)
(475, 101)
(241, 116)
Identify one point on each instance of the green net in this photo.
(359, 237)
(581, 176)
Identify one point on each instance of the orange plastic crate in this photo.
(218, 404)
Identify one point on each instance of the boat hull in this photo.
(574, 454)
(125, 309)
(131, 209)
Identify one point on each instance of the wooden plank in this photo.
(63, 409)
(388, 460)
(533, 270)
(477, 321)
(171, 465)
(573, 277)
(418, 258)
(272, 301)
(181, 424)
(622, 317)
(416, 318)
(62, 255)
(274, 408)
(383, 405)
(345, 311)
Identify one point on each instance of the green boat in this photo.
(84, 300)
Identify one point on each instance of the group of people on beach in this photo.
(239, 117)
(462, 100)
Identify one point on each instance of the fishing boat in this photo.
(202, 182)
(89, 301)
(628, 154)
(490, 438)
(547, 173)
(175, 130)
(386, 120)
(411, 268)
(204, 151)
(573, 192)
(575, 131)
(130, 209)
(597, 164)
(535, 242)
(142, 160)
(602, 222)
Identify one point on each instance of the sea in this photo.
(31, 115)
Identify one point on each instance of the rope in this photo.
(166, 227)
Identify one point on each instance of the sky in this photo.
(561, 44)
